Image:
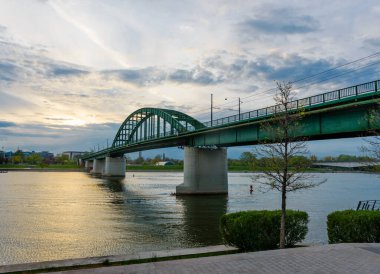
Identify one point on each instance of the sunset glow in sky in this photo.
(72, 71)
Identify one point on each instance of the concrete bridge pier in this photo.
(98, 167)
(205, 171)
(114, 167)
(88, 165)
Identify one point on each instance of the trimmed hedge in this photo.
(260, 230)
(351, 226)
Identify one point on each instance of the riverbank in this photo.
(336, 258)
(4, 170)
(135, 258)
(162, 169)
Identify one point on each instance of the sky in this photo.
(72, 71)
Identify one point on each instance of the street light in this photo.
(238, 103)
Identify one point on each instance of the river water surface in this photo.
(59, 215)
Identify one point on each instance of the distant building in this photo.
(73, 154)
(46, 154)
(164, 163)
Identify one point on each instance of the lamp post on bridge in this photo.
(239, 103)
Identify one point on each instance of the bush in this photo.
(350, 226)
(260, 230)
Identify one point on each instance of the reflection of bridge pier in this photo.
(205, 171)
(201, 218)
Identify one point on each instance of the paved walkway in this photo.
(342, 258)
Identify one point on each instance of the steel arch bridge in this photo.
(152, 123)
(343, 113)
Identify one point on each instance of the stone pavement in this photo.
(339, 258)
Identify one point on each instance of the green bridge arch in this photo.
(151, 123)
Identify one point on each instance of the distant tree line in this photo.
(250, 161)
(34, 158)
(152, 161)
(347, 158)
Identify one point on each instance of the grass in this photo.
(154, 168)
(129, 262)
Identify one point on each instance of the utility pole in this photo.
(239, 103)
(211, 109)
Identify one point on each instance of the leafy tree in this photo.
(17, 159)
(2, 157)
(33, 159)
(247, 158)
(139, 160)
(328, 159)
(313, 158)
(157, 159)
(281, 151)
(62, 159)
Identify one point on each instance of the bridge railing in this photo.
(309, 102)
(368, 205)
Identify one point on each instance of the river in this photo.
(59, 215)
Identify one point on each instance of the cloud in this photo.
(264, 68)
(70, 94)
(10, 133)
(60, 71)
(372, 42)
(151, 76)
(7, 124)
(10, 103)
(8, 72)
(198, 75)
(3, 29)
(283, 21)
(290, 67)
(142, 77)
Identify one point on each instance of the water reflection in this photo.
(47, 216)
(113, 184)
(201, 216)
(188, 220)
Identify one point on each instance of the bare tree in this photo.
(281, 152)
(372, 147)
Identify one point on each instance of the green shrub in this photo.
(260, 230)
(350, 226)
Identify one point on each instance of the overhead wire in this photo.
(303, 79)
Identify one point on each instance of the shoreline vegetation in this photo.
(154, 168)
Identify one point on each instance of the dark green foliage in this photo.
(260, 230)
(350, 226)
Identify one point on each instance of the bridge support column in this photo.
(114, 167)
(98, 167)
(88, 165)
(205, 172)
